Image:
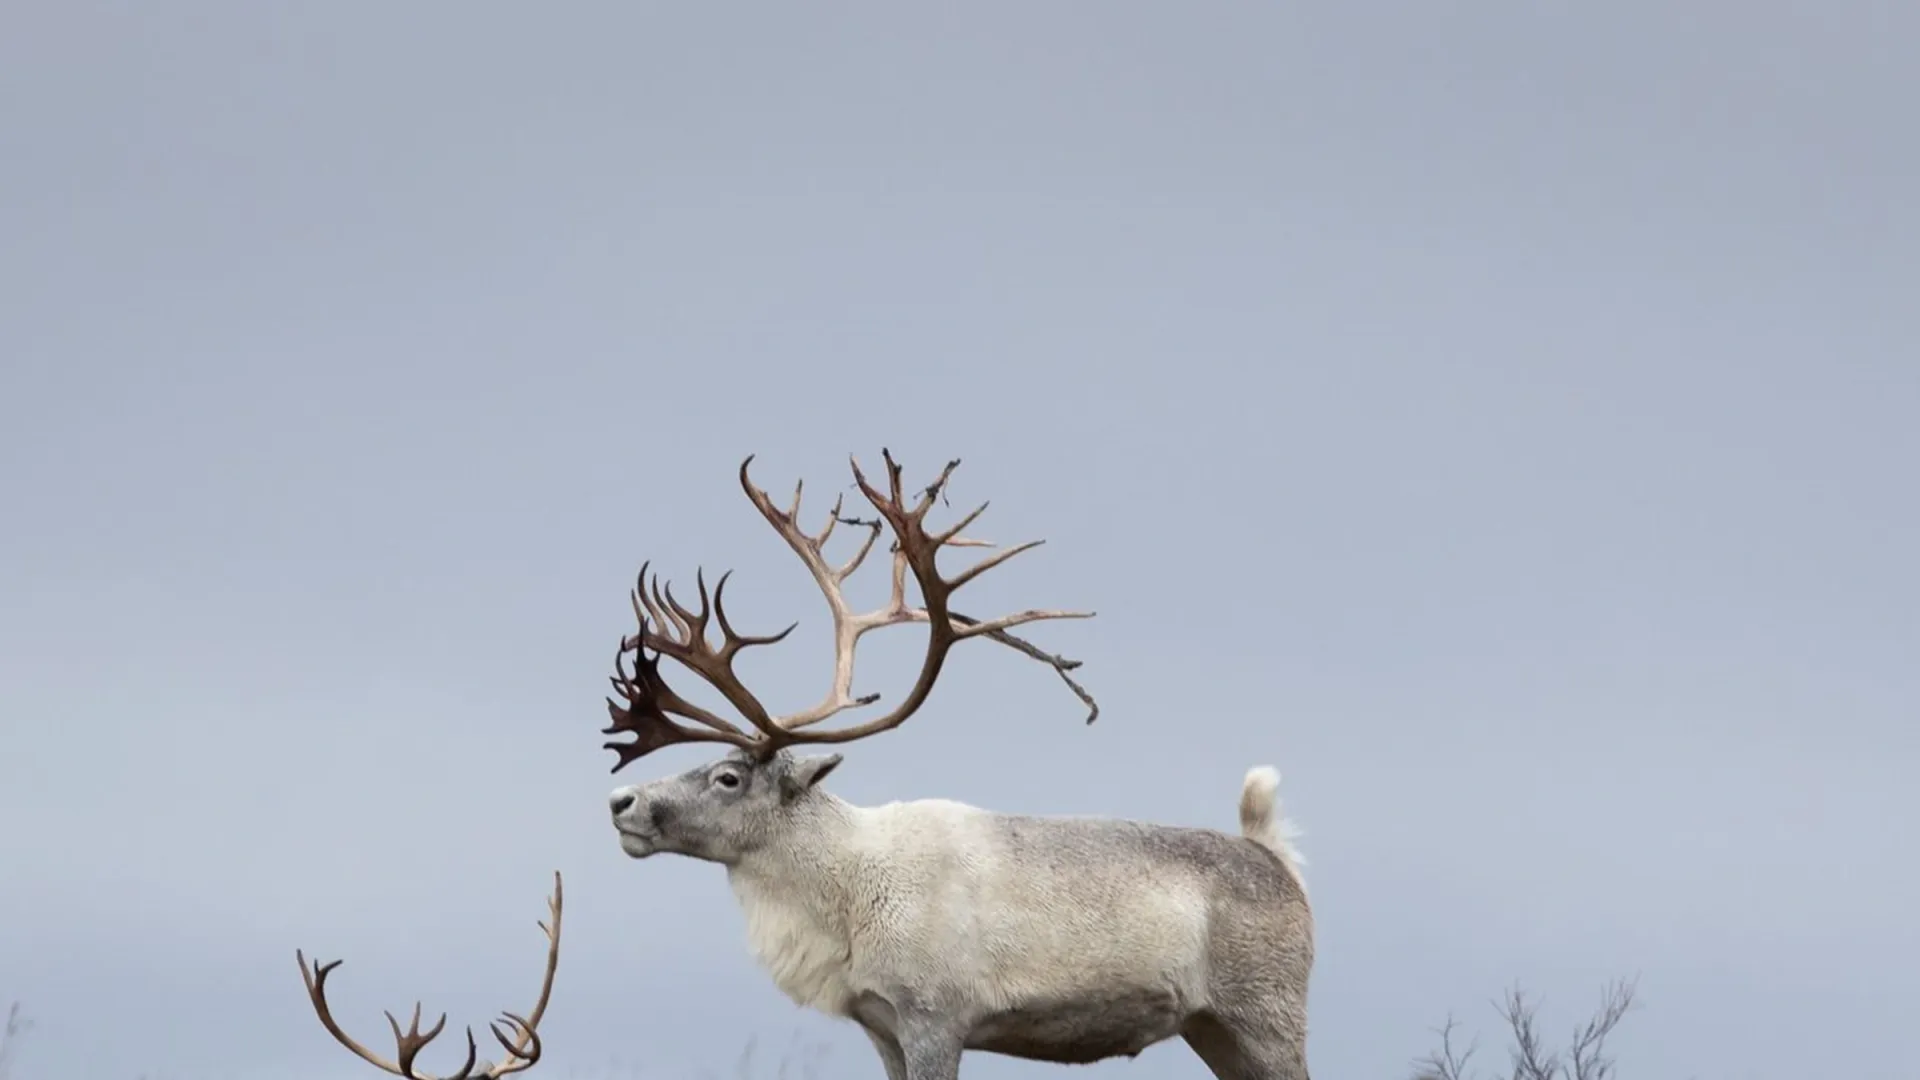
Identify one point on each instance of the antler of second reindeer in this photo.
(522, 1046)
(670, 629)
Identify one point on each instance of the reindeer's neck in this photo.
(808, 862)
(794, 894)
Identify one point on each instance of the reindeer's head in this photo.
(721, 811)
(728, 808)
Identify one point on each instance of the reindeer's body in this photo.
(1057, 939)
(940, 927)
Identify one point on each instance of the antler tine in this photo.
(951, 536)
(408, 1043)
(525, 1051)
(932, 492)
(1060, 664)
(651, 706)
(833, 518)
(990, 562)
(696, 621)
(668, 610)
(650, 700)
(873, 527)
(412, 1041)
(522, 1051)
(890, 508)
(657, 604)
(737, 641)
(315, 976)
(645, 688)
(894, 472)
(646, 594)
(664, 607)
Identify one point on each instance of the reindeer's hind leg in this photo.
(1266, 1048)
(1259, 961)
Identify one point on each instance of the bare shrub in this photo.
(1585, 1056)
(17, 1025)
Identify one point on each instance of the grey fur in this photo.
(940, 927)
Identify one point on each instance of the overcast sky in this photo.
(1502, 420)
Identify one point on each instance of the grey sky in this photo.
(1504, 421)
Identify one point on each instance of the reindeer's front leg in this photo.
(916, 1039)
(931, 1050)
(890, 1056)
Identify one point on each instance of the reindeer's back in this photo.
(1063, 939)
(1027, 895)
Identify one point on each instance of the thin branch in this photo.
(1529, 1057)
(16, 1026)
(1446, 1063)
(1588, 1055)
(1531, 1060)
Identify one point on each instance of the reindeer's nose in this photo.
(621, 802)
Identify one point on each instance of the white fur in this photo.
(936, 925)
(1263, 822)
(921, 886)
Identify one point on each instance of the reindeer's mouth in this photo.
(635, 843)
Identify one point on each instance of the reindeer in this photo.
(939, 927)
(519, 1035)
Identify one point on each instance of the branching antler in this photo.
(651, 705)
(520, 1038)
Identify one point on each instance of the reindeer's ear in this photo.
(805, 772)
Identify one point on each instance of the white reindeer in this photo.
(939, 927)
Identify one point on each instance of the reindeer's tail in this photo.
(1262, 821)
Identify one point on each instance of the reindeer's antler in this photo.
(651, 704)
(520, 1037)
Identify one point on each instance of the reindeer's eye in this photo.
(727, 780)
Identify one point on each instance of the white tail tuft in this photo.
(1263, 822)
